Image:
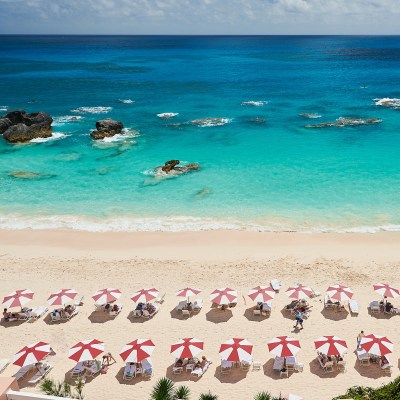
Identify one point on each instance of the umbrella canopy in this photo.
(385, 290)
(224, 296)
(187, 348)
(331, 345)
(377, 345)
(187, 292)
(236, 350)
(299, 292)
(261, 293)
(291, 396)
(32, 354)
(145, 295)
(339, 292)
(138, 350)
(105, 296)
(61, 297)
(18, 298)
(284, 346)
(86, 350)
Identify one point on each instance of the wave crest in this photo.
(388, 102)
(254, 103)
(92, 110)
(54, 136)
(209, 122)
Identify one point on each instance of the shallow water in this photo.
(261, 169)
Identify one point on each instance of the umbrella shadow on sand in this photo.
(316, 369)
(98, 317)
(372, 371)
(251, 317)
(11, 324)
(334, 315)
(134, 381)
(133, 319)
(287, 314)
(269, 371)
(235, 375)
(184, 376)
(217, 315)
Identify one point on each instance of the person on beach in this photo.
(359, 337)
(107, 359)
(299, 320)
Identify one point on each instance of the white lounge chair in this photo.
(99, 307)
(341, 365)
(257, 365)
(181, 305)
(276, 284)
(177, 370)
(374, 307)
(278, 363)
(353, 306)
(79, 302)
(245, 366)
(69, 316)
(197, 305)
(4, 362)
(147, 367)
(328, 303)
(43, 370)
(159, 299)
(129, 371)
(186, 313)
(328, 367)
(95, 368)
(22, 372)
(78, 370)
(38, 312)
(199, 372)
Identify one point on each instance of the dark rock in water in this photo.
(258, 121)
(342, 122)
(202, 193)
(29, 175)
(106, 128)
(5, 123)
(171, 168)
(23, 127)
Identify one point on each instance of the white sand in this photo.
(45, 262)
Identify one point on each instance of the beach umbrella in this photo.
(187, 348)
(339, 292)
(299, 292)
(261, 293)
(105, 296)
(86, 350)
(223, 296)
(386, 290)
(138, 350)
(331, 345)
(18, 298)
(377, 345)
(145, 295)
(291, 396)
(187, 292)
(236, 350)
(32, 354)
(61, 297)
(284, 346)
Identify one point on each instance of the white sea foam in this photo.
(3, 108)
(127, 134)
(92, 110)
(167, 115)
(126, 101)
(167, 224)
(65, 119)
(209, 122)
(258, 103)
(54, 136)
(388, 102)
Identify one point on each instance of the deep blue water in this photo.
(262, 169)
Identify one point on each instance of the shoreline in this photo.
(205, 245)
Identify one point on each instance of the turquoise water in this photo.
(267, 175)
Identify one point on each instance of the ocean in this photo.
(261, 168)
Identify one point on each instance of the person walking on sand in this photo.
(359, 337)
(299, 320)
(107, 359)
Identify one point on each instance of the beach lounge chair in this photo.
(299, 367)
(4, 362)
(226, 367)
(68, 316)
(328, 367)
(79, 370)
(197, 305)
(95, 369)
(284, 373)
(159, 299)
(353, 306)
(147, 368)
(328, 303)
(276, 284)
(137, 313)
(341, 366)
(37, 312)
(279, 362)
(186, 313)
(245, 365)
(115, 313)
(99, 307)
(22, 372)
(79, 302)
(181, 305)
(43, 370)
(177, 370)
(257, 365)
(374, 307)
(199, 372)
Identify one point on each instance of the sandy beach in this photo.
(46, 261)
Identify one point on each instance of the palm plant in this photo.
(62, 389)
(208, 396)
(163, 390)
(263, 396)
(182, 393)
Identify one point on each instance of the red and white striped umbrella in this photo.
(145, 295)
(261, 293)
(187, 292)
(187, 348)
(339, 292)
(291, 396)
(32, 354)
(137, 351)
(86, 350)
(18, 298)
(377, 345)
(331, 345)
(61, 297)
(236, 350)
(224, 296)
(385, 290)
(284, 346)
(299, 292)
(105, 296)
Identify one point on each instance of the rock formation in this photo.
(106, 128)
(19, 126)
(341, 122)
(171, 168)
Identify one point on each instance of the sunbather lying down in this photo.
(149, 307)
